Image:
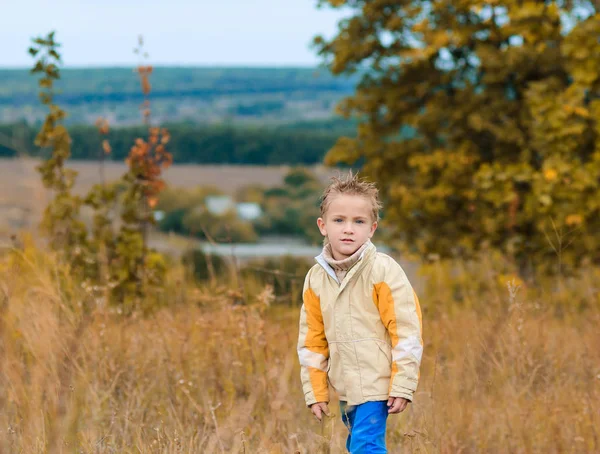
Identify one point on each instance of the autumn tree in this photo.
(138, 268)
(66, 232)
(120, 265)
(479, 119)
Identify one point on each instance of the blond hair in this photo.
(351, 185)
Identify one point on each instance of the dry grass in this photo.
(501, 372)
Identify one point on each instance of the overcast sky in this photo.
(176, 32)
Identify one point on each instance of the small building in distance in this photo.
(249, 211)
(221, 204)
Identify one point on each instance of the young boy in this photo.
(360, 324)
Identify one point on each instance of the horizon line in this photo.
(184, 65)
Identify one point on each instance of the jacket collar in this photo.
(320, 259)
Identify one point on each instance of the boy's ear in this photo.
(321, 224)
(373, 228)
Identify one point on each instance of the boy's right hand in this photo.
(318, 409)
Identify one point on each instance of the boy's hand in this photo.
(396, 404)
(319, 409)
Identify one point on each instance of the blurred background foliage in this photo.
(287, 210)
(504, 101)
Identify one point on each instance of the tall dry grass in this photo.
(503, 371)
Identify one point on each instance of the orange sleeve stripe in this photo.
(383, 294)
(315, 337)
(316, 341)
(418, 307)
(318, 381)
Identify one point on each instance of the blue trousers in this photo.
(366, 426)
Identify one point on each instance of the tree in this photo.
(121, 265)
(503, 98)
(61, 221)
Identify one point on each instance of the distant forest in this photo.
(299, 143)
(252, 95)
(120, 84)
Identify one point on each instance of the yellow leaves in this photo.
(440, 39)
(529, 10)
(412, 53)
(550, 174)
(344, 151)
(580, 50)
(421, 27)
(477, 9)
(470, 194)
(523, 108)
(545, 200)
(509, 278)
(582, 112)
(394, 23)
(399, 190)
(475, 121)
(577, 110)
(573, 219)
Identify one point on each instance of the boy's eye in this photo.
(360, 221)
(337, 220)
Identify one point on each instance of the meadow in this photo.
(509, 366)
(23, 197)
(170, 362)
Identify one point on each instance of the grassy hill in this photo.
(180, 93)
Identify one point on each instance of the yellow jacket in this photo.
(362, 335)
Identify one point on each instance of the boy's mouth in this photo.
(347, 241)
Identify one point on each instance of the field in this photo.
(22, 196)
(481, 131)
(509, 366)
(506, 369)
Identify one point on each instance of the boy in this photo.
(360, 322)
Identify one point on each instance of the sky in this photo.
(176, 32)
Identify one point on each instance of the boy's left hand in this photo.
(396, 404)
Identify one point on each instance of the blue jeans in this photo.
(366, 426)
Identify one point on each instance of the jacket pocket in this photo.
(375, 366)
(334, 369)
(386, 351)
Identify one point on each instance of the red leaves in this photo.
(106, 147)
(147, 159)
(102, 125)
(144, 73)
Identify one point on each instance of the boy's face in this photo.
(348, 223)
